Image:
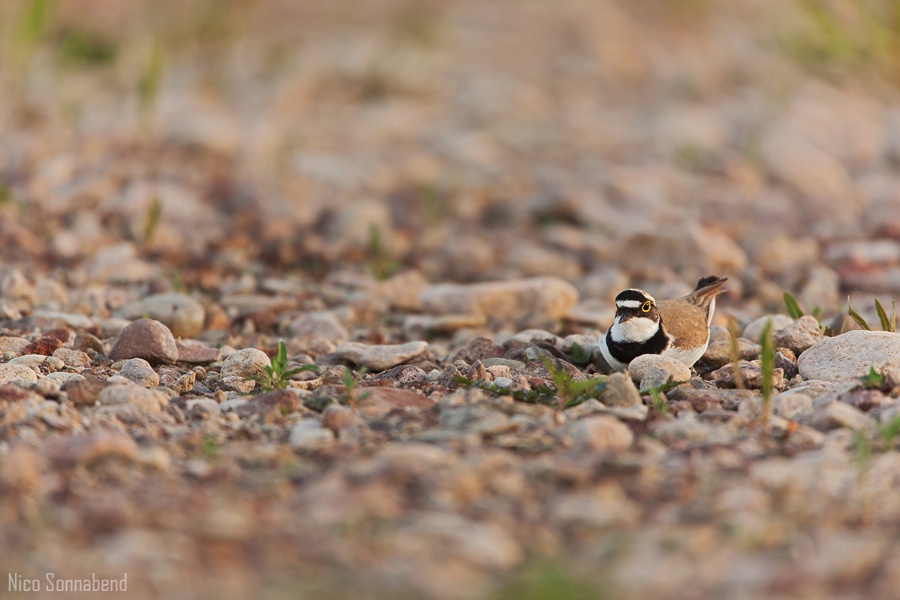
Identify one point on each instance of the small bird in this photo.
(678, 328)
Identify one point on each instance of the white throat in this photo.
(638, 329)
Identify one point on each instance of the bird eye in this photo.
(646, 306)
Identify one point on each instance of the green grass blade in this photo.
(882, 316)
(855, 316)
(793, 308)
(767, 360)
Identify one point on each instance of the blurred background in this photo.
(607, 142)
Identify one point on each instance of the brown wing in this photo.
(686, 318)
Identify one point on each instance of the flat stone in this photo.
(849, 356)
(196, 353)
(322, 325)
(382, 356)
(381, 401)
(832, 414)
(147, 339)
(75, 359)
(718, 354)
(140, 372)
(182, 314)
(85, 392)
(750, 373)
(550, 297)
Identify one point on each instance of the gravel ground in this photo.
(433, 207)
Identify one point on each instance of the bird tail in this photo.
(706, 291)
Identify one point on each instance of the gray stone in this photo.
(382, 356)
(245, 364)
(183, 315)
(75, 359)
(750, 374)
(309, 434)
(849, 356)
(147, 339)
(718, 354)
(323, 325)
(140, 372)
(832, 414)
(39, 363)
(600, 433)
(20, 375)
(620, 391)
(754, 329)
(654, 370)
(148, 401)
(12, 345)
(547, 296)
(799, 335)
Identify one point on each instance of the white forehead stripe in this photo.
(628, 304)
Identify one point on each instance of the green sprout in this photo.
(277, 374)
(767, 360)
(793, 307)
(151, 219)
(872, 380)
(351, 382)
(887, 323)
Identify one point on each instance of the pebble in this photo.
(403, 291)
(74, 359)
(830, 414)
(419, 325)
(750, 372)
(85, 342)
(654, 370)
(17, 374)
(196, 353)
(147, 339)
(246, 363)
(620, 391)
(322, 325)
(12, 345)
(381, 356)
(182, 314)
(84, 392)
(849, 356)
(718, 354)
(754, 329)
(38, 363)
(146, 400)
(140, 372)
(600, 433)
(380, 401)
(309, 434)
(799, 335)
(73, 450)
(550, 297)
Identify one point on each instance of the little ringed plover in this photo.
(678, 328)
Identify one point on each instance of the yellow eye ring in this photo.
(646, 306)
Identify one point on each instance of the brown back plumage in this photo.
(687, 318)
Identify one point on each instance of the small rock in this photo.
(61, 378)
(418, 325)
(324, 325)
(620, 391)
(341, 420)
(85, 342)
(39, 363)
(89, 449)
(183, 315)
(85, 392)
(403, 291)
(381, 401)
(140, 372)
(754, 329)
(17, 374)
(245, 364)
(849, 356)
(600, 433)
(12, 345)
(380, 357)
(309, 434)
(654, 370)
(832, 414)
(147, 339)
(202, 408)
(196, 353)
(74, 359)
(276, 403)
(44, 345)
(718, 354)
(148, 401)
(799, 335)
(506, 300)
(750, 373)
(686, 428)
